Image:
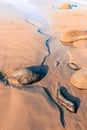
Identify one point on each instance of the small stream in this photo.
(47, 42)
(48, 49)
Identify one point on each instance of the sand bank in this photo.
(36, 107)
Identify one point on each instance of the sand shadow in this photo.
(70, 97)
(58, 106)
(41, 71)
(48, 49)
(1, 77)
(36, 73)
(73, 6)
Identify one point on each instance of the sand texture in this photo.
(78, 79)
(36, 105)
(74, 35)
(64, 6)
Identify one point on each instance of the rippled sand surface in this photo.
(23, 43)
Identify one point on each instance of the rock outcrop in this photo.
(26, 75)
(64, 6)
(73, 35)
(79, 79)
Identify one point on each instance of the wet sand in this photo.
(35, 107)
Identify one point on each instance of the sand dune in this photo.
(24, 44)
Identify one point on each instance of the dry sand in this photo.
(21, 45)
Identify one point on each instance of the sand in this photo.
(35, 107)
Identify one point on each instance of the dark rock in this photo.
(27, 75)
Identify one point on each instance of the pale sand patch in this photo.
(17, 42)
(65, 17)
(73, 35)
(78, 14)
(78, 79)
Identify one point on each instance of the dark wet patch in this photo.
(85, 30)
(25, 76)
(48, 49)
(57, 63)
(73, 6)
(70, 97)
(38, 73)
(1, 77)
(58, 106)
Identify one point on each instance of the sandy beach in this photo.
(37, 44)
